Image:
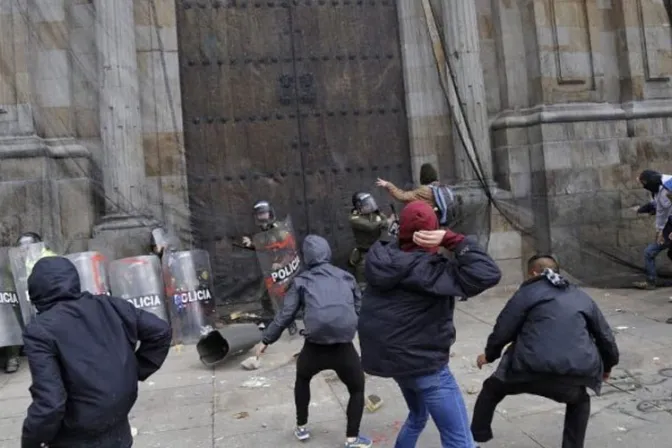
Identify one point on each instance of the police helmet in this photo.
(364, 203)
(264, 215)
(28, 238)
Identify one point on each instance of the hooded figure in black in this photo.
(559, 344)
(83, 360)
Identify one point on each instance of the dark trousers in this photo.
(344, 360)
(494, 391)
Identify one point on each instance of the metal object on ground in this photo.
(92, 269)
(373, 403)
(232, 340)
(189, 291)
(11, 319)
(139, 280)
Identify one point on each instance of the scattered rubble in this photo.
(251, 363)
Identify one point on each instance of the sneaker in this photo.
(644, 285)
(361, 442)
(12, 365)
(301, 433)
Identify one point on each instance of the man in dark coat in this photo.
(83, 360)
(560, 345)
(406, 322)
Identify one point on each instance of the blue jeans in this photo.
(437, 395)
(650, 254)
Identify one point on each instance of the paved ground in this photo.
(186, 405)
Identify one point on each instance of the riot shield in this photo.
(22, 259)
(92, 270)
(138, 280)
(187, 276)
(279, 259)
(11, 319)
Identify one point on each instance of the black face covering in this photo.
(651, 180)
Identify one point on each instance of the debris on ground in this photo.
(251, 363)
(330, 376)
(241, 415)
(243, 315)
(373, 403)
(134, 432)
(473, 390)
(255, 382)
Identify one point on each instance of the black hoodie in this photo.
(406, 321)
(83, 362)
(557, 333)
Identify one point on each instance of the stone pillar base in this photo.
(121, 236)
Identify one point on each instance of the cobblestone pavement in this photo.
(186, 405)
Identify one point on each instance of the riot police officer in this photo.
(162, 242)
(28, 238)
(265, 219)
(368, 225)
(12, 353)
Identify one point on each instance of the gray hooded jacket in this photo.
(329, 296)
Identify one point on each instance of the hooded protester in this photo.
(331, 300)
(83, 361)
(406, 324)
(560, 344)
(659, 186)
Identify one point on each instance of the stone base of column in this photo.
(121, 236)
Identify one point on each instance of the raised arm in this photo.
(472, 272)
(422, 193)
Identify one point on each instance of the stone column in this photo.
(123, 231)
(460, 26)
(427, 111)
(120, 117)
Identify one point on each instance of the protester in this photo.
(439, 196)
(83, 360)
(428, 176)
(330, 299)
(406, 324)
(560, 345)
(659, 186)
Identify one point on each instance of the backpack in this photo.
(445, 204)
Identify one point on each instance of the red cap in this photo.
(417, 215)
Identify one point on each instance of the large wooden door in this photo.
(297, 102)
(351, 100)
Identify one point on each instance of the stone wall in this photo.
(577, 93)
(583, 94)
(52, 159)
(161, 105)
(45, 173)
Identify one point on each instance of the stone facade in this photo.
(568, 99)
(77, 106)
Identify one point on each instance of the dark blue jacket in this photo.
(84, 365)
(329, 297)
(557, 332)
(406, 322)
